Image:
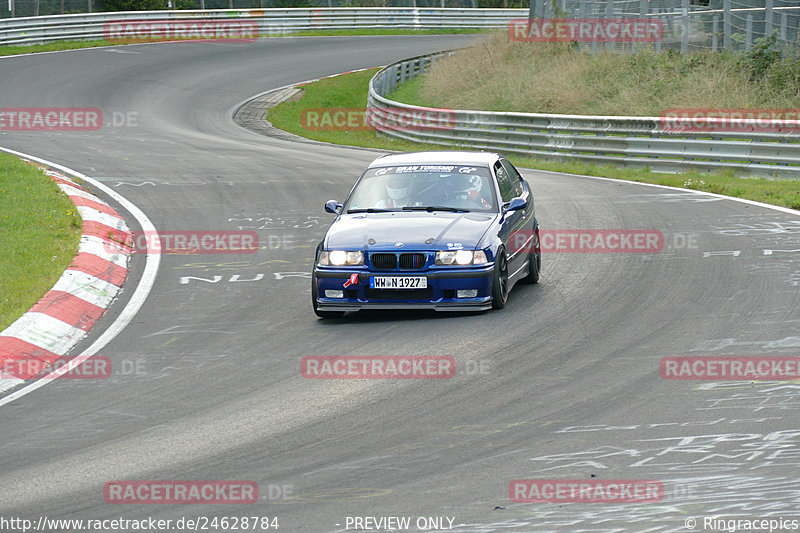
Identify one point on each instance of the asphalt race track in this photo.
(563, 383)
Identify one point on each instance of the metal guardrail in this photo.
(271, 22)
(733, 25)
(626, 141)
(639, 141)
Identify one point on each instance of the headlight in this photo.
(341, 258)
(461, 257)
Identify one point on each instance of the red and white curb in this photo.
(68, 311)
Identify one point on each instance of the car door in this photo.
(510, 185)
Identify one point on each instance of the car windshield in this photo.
(425, 188)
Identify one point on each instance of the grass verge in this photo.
(75, 45)
(502, 75)
(40, 229)
(349, 92)
(51, 47)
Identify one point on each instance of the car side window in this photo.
(504, 182)
(514, 177)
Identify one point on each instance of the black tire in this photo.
(314, 295)
(500, 281)
(534, 260)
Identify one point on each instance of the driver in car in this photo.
(467, 192)
(397, 188)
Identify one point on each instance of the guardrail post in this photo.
(748, 33)
(663, 25)
(12, 6)
(583, 12)
(642, 15)
(726, 24)
(783, 34)
(784, 24)
(684, 26)
(768, 18)
(540, 8)
(715, 33)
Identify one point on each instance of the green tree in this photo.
(134, 5)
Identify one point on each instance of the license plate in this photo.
(398, 282)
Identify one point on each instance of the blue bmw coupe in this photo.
(450, 231)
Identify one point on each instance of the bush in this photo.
(761, 57)
(134, 5)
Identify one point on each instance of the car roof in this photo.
(436, 158)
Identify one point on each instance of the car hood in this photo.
(438, 230)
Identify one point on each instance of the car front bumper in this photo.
(440, 294)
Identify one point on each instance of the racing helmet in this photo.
(397, 186)
(464, 183)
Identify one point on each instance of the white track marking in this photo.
(720, 196)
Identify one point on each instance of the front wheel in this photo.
(534, 260)
(314, 296)
(500, 281)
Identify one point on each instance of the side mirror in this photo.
(515, 204)
(332, 206)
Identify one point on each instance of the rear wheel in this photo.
(315, 295)
(500, 281)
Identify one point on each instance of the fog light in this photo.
(333, 294)
(468, 293)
